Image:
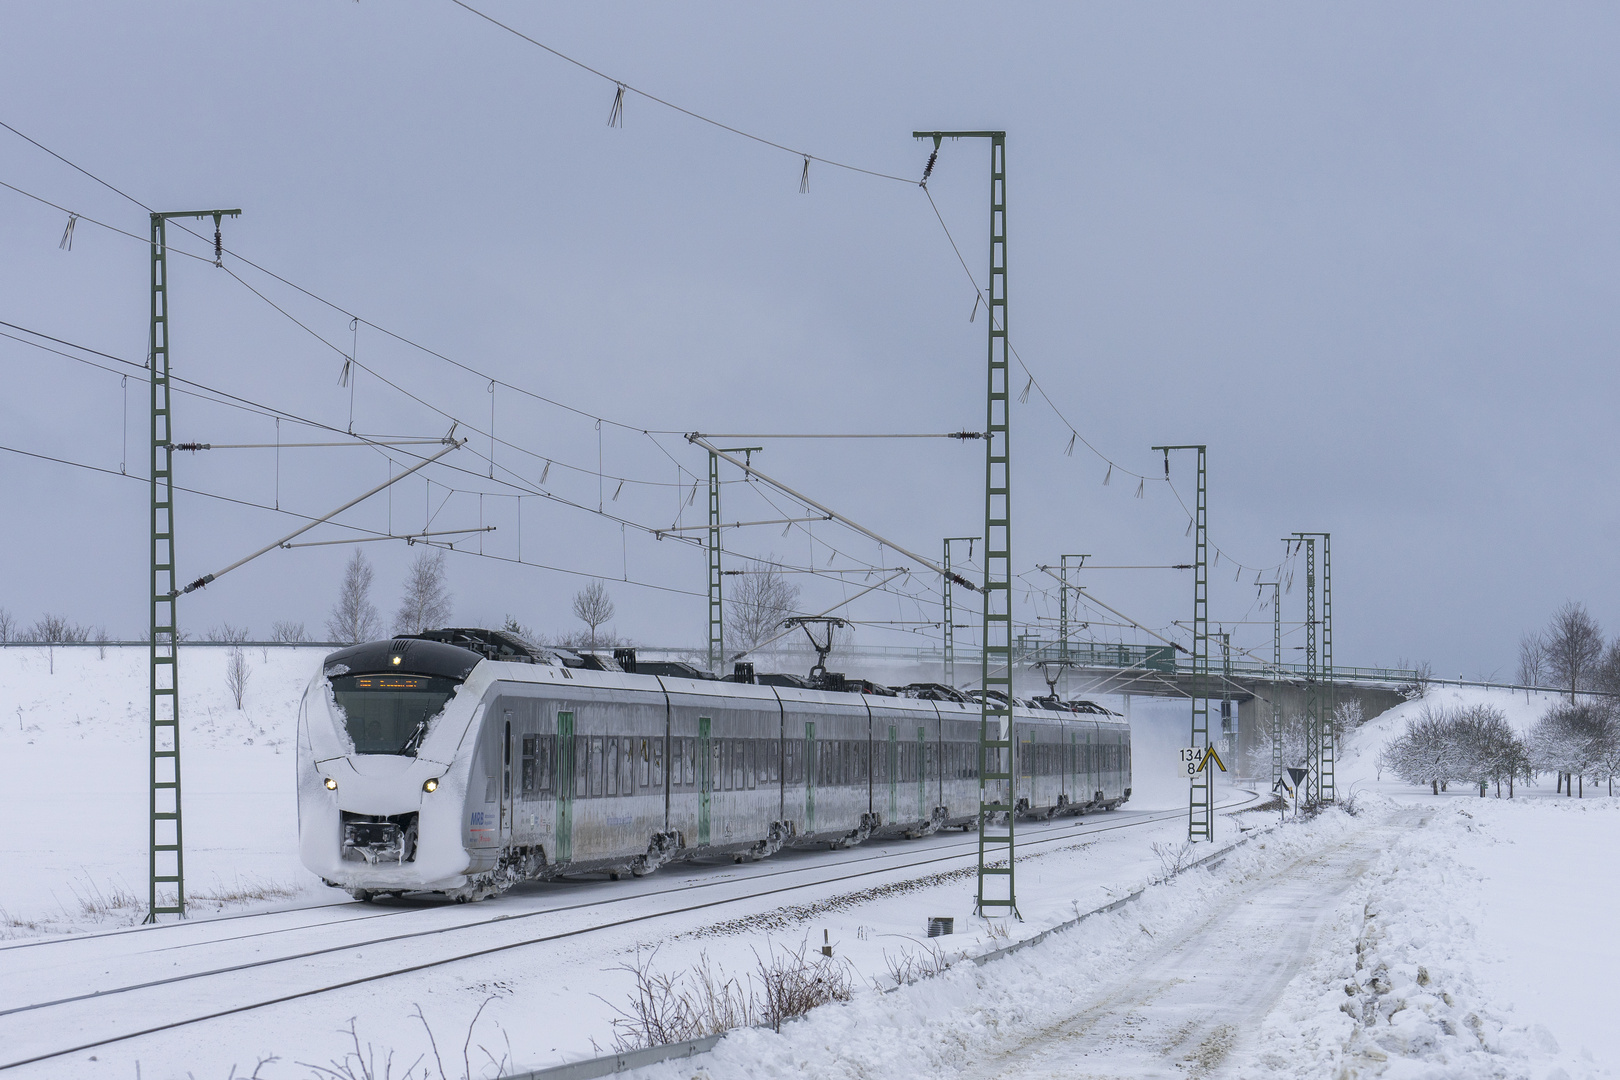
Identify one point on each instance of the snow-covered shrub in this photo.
(1422, 678)
(1582, 739)
(1472, 744)
(1174, 858)
(794, 983)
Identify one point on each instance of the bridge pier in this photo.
(1254, 717)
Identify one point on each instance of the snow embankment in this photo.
(1358, 757)
(1413, 976)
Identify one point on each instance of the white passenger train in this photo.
(463, 761)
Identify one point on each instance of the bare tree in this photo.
(225, 632)
(101, 639)
(288, 633)
(1574, 646)
(1532, 660)
(517, 629)
(354, 618)
(1608, 670)
(8, 625)
(237, 673)
(593, 607)
(53, 630)
(426, 603)
(760, 600)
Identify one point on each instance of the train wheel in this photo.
(365, 896)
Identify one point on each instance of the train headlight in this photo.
(395, 661)
(331, 784)
(431, 786)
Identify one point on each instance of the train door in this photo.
(892, 761)
(506, 782)
(1071, 772)
(706, 773)
(923, 812)
(565, 787)
(812, 766)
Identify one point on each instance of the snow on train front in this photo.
(381, 793)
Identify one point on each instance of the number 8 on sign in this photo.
(1190, 756)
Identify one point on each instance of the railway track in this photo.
(184, 985)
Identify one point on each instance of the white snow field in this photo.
(1424, 936)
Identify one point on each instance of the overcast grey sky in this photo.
(1367, 253)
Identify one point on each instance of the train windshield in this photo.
(389, 714)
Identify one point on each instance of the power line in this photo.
(517, 483)
(356, 528)
(623, 86)
(1074, 432)
(312, 295)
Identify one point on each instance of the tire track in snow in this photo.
(1201, 992)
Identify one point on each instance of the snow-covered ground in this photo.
(1424, 936)
(74, 827)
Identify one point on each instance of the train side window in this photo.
(610, 766)
(657, 780)
(627, 766)
(582, 766)
(646, 764)
(775, 768)
(529, 771)
(688, 762)
(788, 758)
(598, 760)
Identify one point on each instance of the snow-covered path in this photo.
(1205, 988)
